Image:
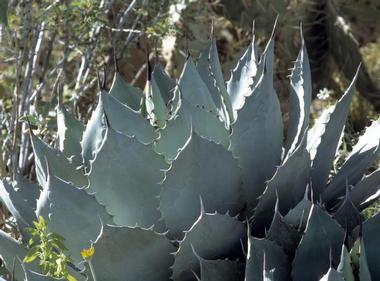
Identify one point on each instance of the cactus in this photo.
(192, 180)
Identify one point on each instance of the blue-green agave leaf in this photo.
(332, 275)
(203, 169)
(34, 276)
(127, 121)
(124, 177)
(72, 213)
(242, 79)
(362, 156)
(207, 124)
(256, 138)
(155, 104)
(221, 270)
(164, 82)
(345, 268)
(366, 189)
(14, 203)
(125, 93)
(292, 178)
(299, 100)
(299, 215)
(319, 245)
(210, 71)
(265, 255)
(11, 252)
(28, 191)
(371, 240)
(347, 215)
(58, 164)
(213, 236)
(315, 133)
(285, 235)
(364, 273)
(93, 135)
(329, 140)
(194, 89)
(175, 136)
(132, 253)
(70, 131)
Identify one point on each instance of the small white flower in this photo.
(324, 94)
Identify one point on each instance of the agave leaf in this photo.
(132, 253)
(362, 156)
(292, 178)
(299, 100)
(203, 169)
(344, 268)
(127, 121)
(175, 103)
(268, 275)
(364, 274)
(371, 240)
(34, 276)
(73, 214)
(220, 270)
(319, 245)
(125, 93)
(332, 275)
(256, 139)
(267, 255)
(213, 236)
(70, 131)
(242, 79)
(165, 84)
(124, 176)
(299, 215)
(28, 191)
(315, 133)
(199, 105)
(207, 124)
(155, 104)
(284, 234)
(93, 135)
(14, 203)
(194, 89)
(329, 141)
(175, 136)
(58, 164)
(11, 252)
(347, 215)
(31, 275)
(367, 188)
(210, 71)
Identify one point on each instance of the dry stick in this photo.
(141, 70)
(20, 47)
(28, 82)
(37, 92)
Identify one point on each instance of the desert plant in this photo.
(161, 182)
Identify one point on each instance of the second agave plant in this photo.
(192, 180)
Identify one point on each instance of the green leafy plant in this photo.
(49, 250)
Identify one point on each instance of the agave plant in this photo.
(191, 180)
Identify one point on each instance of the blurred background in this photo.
(46, 46)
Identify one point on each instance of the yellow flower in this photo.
(88, 253)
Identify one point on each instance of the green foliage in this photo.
(49, 250)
